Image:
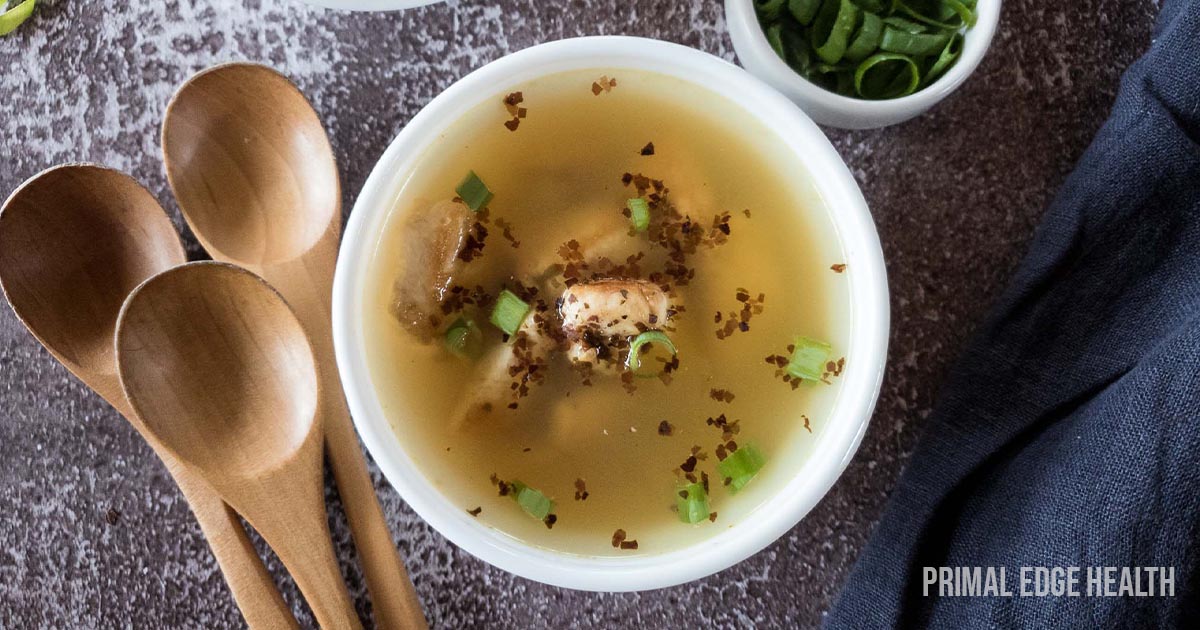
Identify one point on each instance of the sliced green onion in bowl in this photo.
(947, 58)
(13, 15)
(741, 466)
(634, 362)
(886, 75)
(639, 213)
(769, 9)
(913, 44)
(866, 40)
(808, 359)
(804, 10)
(869, 49)
(474, 192)
(464, 338)
(509, 312)
(692, 503)
(832, 29)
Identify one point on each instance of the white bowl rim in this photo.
(741, 17)
(860, 383)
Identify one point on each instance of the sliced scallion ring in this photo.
(634, 362)
(804, 10)
(886, 75)
(832, 29)
(866, 40)
(912, 44)
(947, 58)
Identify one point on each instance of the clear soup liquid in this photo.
(558, 177)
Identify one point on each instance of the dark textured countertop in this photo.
(92, 530)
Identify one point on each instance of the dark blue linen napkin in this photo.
(1068, 433)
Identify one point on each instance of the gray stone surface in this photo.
(956, 195)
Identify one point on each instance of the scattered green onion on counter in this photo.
(692, 503)
(13, 14)
(808, 359)
(474, 192)
(870, 49)
(509, 313)
(634, 362)
(639, 214)
(464, 338)
(741, 466)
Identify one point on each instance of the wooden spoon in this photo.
(74, 241)
(254, 174)
(218, 368)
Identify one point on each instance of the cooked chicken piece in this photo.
(434, 238)
(522, 361)
(595, 313)
(612, 308)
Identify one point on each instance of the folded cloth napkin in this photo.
(1068, 434)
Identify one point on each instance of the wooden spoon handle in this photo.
(251, 584)
(287, 506)
(253, 589)
(307, 287)
(393, 598)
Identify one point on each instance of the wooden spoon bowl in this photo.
(219, 369)
(74, 241)
(247, 157)
(217, 366)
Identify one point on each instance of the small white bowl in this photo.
(828, 108)
(869, 315)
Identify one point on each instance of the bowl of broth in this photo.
(611, 314)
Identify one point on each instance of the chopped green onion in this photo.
(873, 6)
(532, 500)
(796, 51)
(741, 466)
(804, 10)
(886, 75)
(946, 59)
(650, 336)
(769, 9)
(832, 29)
(870, 49)
(808, 359)
(775, 39)
(867, 39)
(473, 192)
(692, 503)
(509, 313)
(941, 14)
(908, 26)
(912, 44)
(639, 213)
(464, 338)
(15, 14)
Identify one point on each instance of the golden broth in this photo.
(559, 177)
